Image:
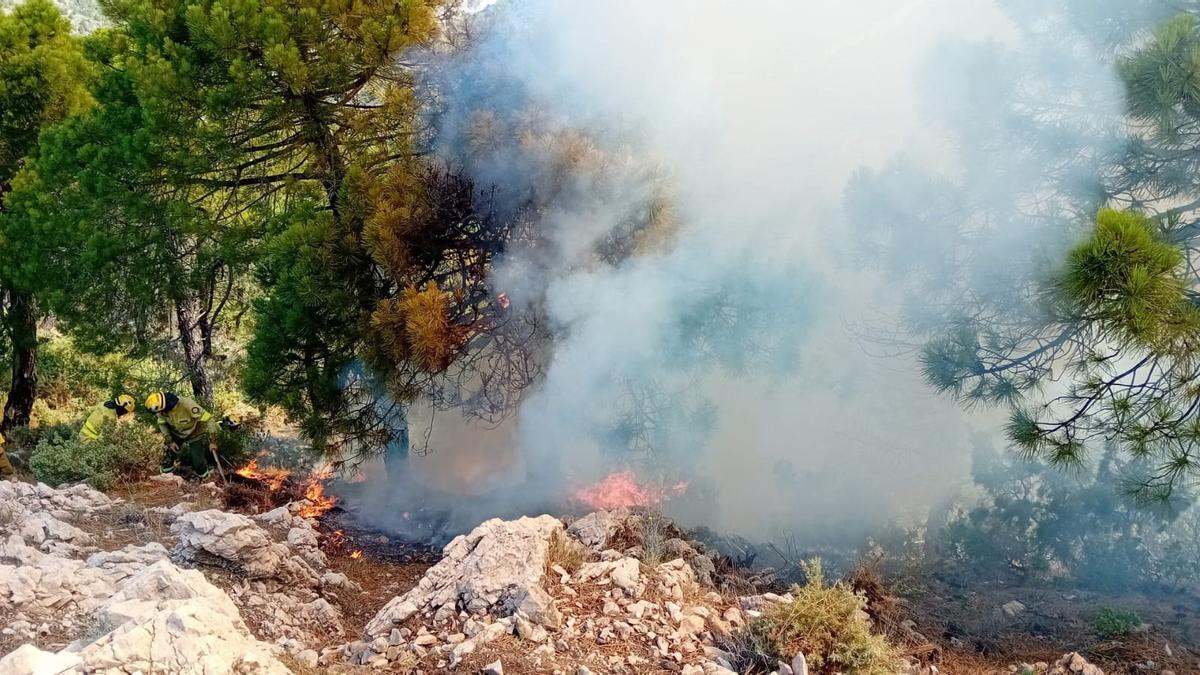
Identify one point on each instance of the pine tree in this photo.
(43, 77)
(1111, 331)
(225, 132)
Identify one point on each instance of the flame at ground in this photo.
(274, 478)
(314, 494)
(623, 489)
(356, 554)
(316, 502)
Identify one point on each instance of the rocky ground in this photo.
(96, 584)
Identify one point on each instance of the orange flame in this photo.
(274, 478)
(314, 494)
(356, 554)
(316, 501)
(622, 489)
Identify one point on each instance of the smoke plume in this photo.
(730, 353)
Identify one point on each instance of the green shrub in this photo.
(827, 623)
(23, 440)
(235, 447)
(1112, 623)
(124, 452)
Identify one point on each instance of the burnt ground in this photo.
(976, 635)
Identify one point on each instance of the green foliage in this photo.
(125, 452)
(1161, 77)
(42, 79)
(87, 375)
(1110, 623)
(23, 440)
(1047, 525)
(236, 447)
(1097, 345)
(828, 624)
(1129, 284)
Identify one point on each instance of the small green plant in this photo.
(827, 623)
(1110, 623)
(23, 440)
(123, 452)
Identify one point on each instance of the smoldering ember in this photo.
(561, 338)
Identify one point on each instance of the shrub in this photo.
(124, 452)
(652, 532)
(236, 447)
(1074, 527)
(827, 623)
(1112, 623)
(23, 440)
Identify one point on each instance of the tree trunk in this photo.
(187, 316)
(22, 327)
(328, 152)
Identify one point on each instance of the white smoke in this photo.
(759, 114)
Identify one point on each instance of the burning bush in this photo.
(260, 487)
(123, 452)
(827, 623)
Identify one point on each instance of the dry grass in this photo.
(566, 553)
(297, 667)
(652, 531)
(380, 580)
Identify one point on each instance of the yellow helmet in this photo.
(2, 439)
(231, 421)
(126, 402)
(157, 401)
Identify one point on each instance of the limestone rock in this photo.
(193, 636)
(596, 528)
(234, 541)
(29, 660)
(496, 567)
(1013, 607)
(146, 593)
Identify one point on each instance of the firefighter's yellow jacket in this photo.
(186, 421)
(6, 467)
(95, 420)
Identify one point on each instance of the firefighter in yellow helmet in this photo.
(119, 408)
(188, 426)
(6, 467)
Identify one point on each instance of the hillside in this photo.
(164, 578)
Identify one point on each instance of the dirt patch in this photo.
(978, 636)
(381, 580)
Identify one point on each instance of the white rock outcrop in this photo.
(496, 568)
(236, 542)
(142, 613)
(596, 528)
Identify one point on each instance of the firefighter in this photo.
(188, 427)
(6, 467)
(119, 408)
